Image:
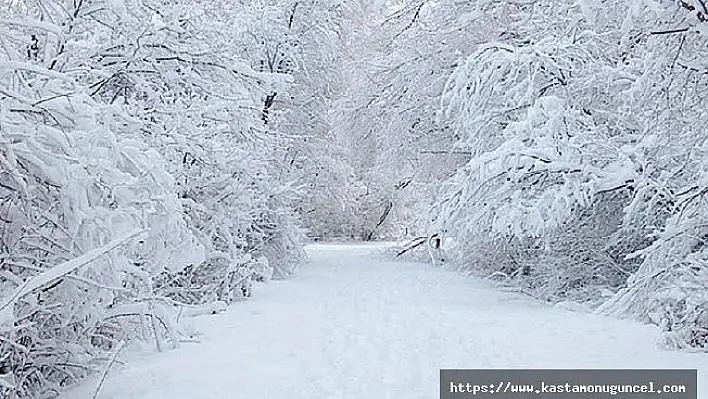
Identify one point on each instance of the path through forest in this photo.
(352, 326)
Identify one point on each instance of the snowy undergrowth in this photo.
(136, 182)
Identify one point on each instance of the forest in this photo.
(158, 158)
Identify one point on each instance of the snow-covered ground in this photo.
(352, 326)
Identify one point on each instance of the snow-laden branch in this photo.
(33, 23)
(59, 271)
(26, 66)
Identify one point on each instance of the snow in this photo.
(350, 325)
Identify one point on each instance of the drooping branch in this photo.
(65, 268)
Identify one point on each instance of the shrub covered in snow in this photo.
(587, 145)
(137, 177)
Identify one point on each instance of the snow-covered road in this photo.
(351, 326)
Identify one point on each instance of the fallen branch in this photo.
(415, 243)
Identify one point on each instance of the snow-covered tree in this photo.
(578, 120)
(136, 178)
(90, 215)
